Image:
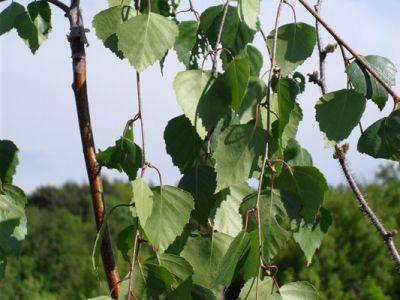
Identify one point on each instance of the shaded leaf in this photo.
(201, 182)
(239, 146)
(9, 15)
(368, 85)
(295, 43)
(310, 236)
(382, 139)
(236, 78)
(125, 241)
(339, 112)
(185, 41)
(237, 250)
(274, 213)
(235, 34)
(182, 142)
(307, 185)
(300, 290)
(205, 255)
(202, 98)
(125, 156)
(295, 155)
(8, 161)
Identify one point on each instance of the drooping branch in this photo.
(387, 236)
(357, 57)
(77, 42)
(60, 5)
(340, 154)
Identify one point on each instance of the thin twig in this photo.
(221, 28)
(141, 118)
(60, 5)
(136, 246)
(266, 158)
(322, 57)
(360, 60)
(340, 154)
(387, 237)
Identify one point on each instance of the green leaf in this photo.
(107, 22)
(125, 241)
(310, 236)
(186, 41)
(382, 139)
(171, 211)
(236, 78)
(176, 265)
(200, 182)
(248, 292)
(12, 219)
(143, 199)
(34, 25)
(239, 146)
(112, 3)
(295, 155)
(307, 185)
(274, 212)
(368, 85)
(295, 43)
(292, 126)
(300, 290)
(284, 102)
(8, 161)
(9, 15)
(205, 255)
(202, 99)
(235, 34)
(125, 156)
(182, 142)
(237, 250)
(152, 281)
(339, 112)
(248, 12)
(144, 39)
(255, 93)
(227, 218)
(40, 14)
(255, 59)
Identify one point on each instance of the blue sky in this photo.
(37, 109)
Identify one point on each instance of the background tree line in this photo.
(55, 262)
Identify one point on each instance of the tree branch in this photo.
(60, 5)
(340, 154)
(77, 42)
(359, 59)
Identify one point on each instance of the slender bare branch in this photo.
(340, 154)
(359, 58)
(221, 28)
(266, 158)
(387, 236)
(60, 5)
